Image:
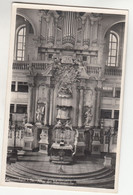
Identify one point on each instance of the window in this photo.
(13, 86)
(84, 58)
(116, 124)
(50, 56)
(20, 48)
(11, 108)
(106, 114)
(107, 92)
(113, 49)
(21, 108)
(22, 86)
(116, 116)
(117, 92)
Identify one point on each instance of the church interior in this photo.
(65, 94)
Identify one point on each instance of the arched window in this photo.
(113, 49)
(20, 45)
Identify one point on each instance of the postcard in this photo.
(64, 97)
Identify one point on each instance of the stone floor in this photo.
(35, 167)
(39, 161)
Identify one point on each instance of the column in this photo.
(95, 31)
(46, 56)
(51, 105)
(30, 112)
(34, 104)
(15, 108)
(46, 122)
(91, 31)
(75, 111)
(82, 31)
(114, 91)
(51, 30)
(81, 98)
(98, 102)
(16, 85)
(94, 108)
(55, 28)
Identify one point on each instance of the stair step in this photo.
(52, 175)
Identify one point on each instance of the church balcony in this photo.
(25, 65)
(42, 65)
(113, 71)
(93, 69)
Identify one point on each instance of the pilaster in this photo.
(31, 102)
(51, 105)
(81, 101)
(98, 103)
(75, 112)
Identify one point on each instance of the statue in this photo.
(88, 116)
(58, 123)
(40, 113)
(25, 119)
(31, 69)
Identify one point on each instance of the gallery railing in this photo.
(27, 65)
(113, 71)
(92, 69)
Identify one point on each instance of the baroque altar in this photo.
(64, 106)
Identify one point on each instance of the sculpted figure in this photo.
(40, 113)
(88, 116)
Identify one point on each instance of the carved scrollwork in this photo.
(65, 92)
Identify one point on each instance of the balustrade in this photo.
(38, 65)
(21, 65)
(26, 65)
(93, 69)
(113, 71)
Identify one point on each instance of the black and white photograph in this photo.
(65, 97)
